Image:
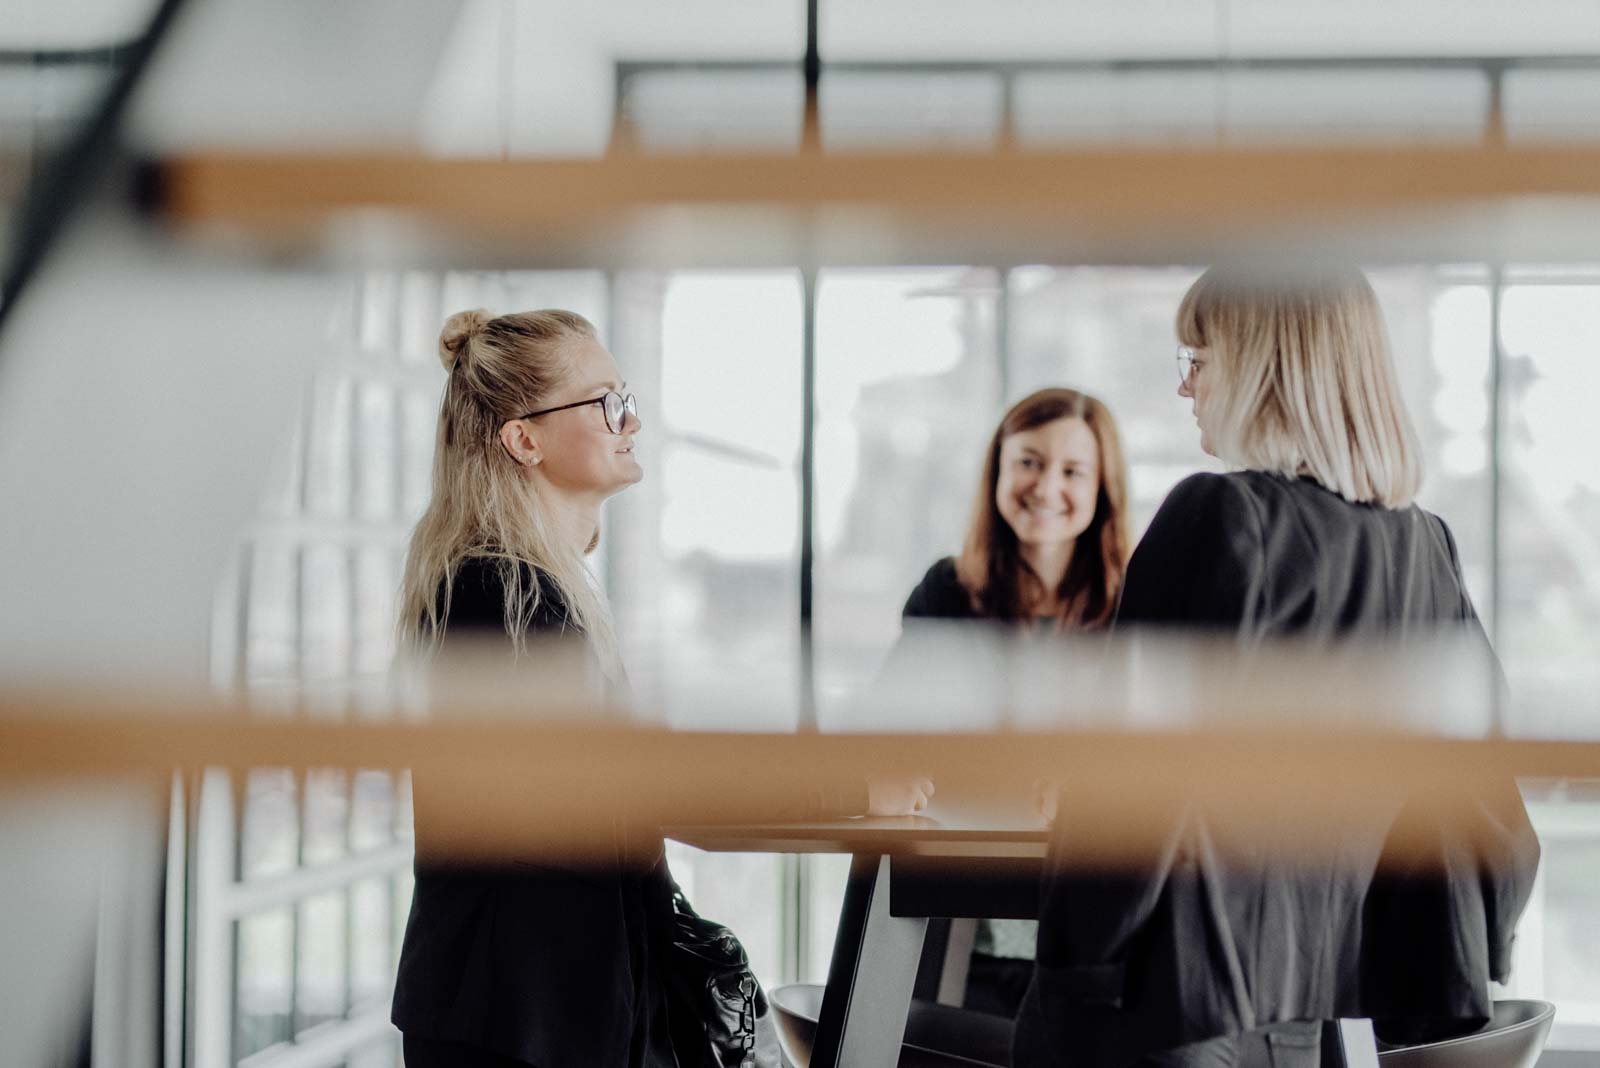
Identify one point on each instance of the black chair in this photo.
(942, 1036)
(1513, 1038)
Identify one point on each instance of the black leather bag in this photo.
(709, 978)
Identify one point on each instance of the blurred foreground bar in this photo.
(499, 789)
(1124, 205)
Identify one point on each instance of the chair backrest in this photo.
(1513, 1038)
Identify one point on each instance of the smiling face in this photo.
(577, 455)
(1048, 483)
(1197, 388)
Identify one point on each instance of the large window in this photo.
(912, 369)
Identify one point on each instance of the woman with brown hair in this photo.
(1048, 539)
(1046, 548)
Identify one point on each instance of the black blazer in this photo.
(1213, 938)
(547, 963)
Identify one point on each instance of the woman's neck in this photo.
(575, 519)
(1049, 564)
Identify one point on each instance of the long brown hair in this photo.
(991, 567)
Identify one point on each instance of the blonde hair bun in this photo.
(458, 332)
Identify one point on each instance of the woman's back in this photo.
(1264, 556)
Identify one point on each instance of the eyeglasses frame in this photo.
(1189, 364)
(629, 407)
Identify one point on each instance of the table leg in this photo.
(870, 978)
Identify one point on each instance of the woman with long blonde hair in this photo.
(545, 963)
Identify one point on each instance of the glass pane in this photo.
(1552, 105)
(702, 557)
(377, 586)
(325, 640)
(1550, 498)
(1450, 393)
(420, 424)
(266, 970)
(715, 110)
(889, 111)
(371, 958)
(827, 877)
(908, 390)
(1150, 107)
(269, 835)
(320, 966)
(327, 808)
(273, 613)
(378, 316)
(377, 436)
(372, 810)
(384, 1053)
(328, 474)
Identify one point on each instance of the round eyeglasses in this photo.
(1189, 362)
(617, 408)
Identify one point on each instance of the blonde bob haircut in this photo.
(1303, 381)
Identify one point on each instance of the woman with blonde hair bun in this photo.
(542, 962)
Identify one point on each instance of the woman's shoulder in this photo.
(940, 594)
(1221, 495)
(482, 583)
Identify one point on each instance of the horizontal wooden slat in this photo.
(1112, 205)
(511, 789)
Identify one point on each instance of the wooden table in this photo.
(962, 859)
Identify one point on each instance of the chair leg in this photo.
(1349, 1043)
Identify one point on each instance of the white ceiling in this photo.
(537, 76)
(945, 29)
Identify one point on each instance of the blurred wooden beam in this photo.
(1111, 205)
(499, 788)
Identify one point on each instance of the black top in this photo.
(541, 961)
(1261, 556)
(1215, 938)
(537, 960)
(940, 595)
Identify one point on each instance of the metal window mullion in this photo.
(808, 435)
(1496, 467)
(1002, 333)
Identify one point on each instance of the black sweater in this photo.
(544, 962)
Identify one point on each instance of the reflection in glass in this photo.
(1550, 489)
(372, 811)
(908, 390)
(702, 557)
(269, 834)
(263, 997)
(327, 808)
(320, 961)
(371, 957)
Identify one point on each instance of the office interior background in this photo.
(298, 885)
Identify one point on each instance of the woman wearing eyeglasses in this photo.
(1220, 952)
(1045, 550)
(542, 963)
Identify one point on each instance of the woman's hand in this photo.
(898, 796)
(1046, 793)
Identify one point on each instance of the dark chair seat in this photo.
(941, 1036)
